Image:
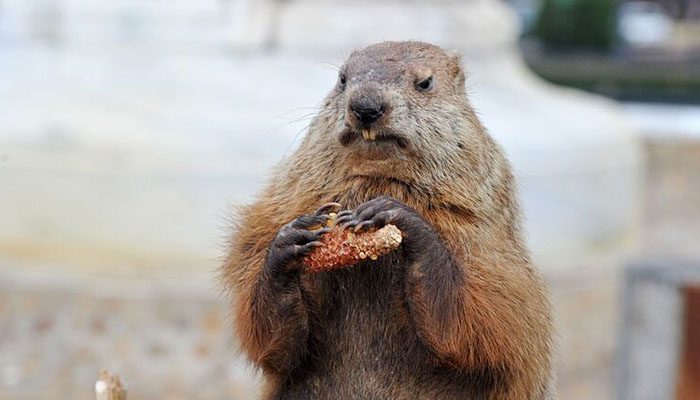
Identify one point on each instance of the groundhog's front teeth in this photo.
(369, 134)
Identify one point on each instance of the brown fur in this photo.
(382, 329)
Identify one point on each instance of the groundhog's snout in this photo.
(367, 108)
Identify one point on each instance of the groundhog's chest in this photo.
(364, 345)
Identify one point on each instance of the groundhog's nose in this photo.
(367, 109)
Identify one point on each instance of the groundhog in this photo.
(456, 312)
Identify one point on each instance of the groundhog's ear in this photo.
(455, 68)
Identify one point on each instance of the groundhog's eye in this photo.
(342, 80)
(426, 84)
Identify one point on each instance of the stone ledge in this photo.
(165, 339)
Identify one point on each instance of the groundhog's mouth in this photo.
(373, 136)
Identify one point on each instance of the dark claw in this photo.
(292, 237)
(383, 218)
(379, 202)
(327, 207)
(364, 225)
(349, 224)
(313, 245)
(344, 218)
(322, 218)
(299, 250)
(344, 213)
(372, 212)
(367, 212)
(308, 221)
(322, 231)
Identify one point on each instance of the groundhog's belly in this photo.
(369, 357)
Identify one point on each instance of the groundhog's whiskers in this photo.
(329, 65)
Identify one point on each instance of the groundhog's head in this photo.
(396, 105)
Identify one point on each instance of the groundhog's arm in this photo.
(271, 316)
(481, 314)
(478, 313)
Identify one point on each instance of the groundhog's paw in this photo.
(377, 213)
(297, 238)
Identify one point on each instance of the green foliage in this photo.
(588, 24)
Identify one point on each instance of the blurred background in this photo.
(128, 129)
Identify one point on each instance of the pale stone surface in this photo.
(585, 302)
(165, 340)
(323, 26)
(672, 215)
(114, 159)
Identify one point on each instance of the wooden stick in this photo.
(109, 387)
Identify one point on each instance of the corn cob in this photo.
(342, 248)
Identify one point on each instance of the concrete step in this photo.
(167, 339)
